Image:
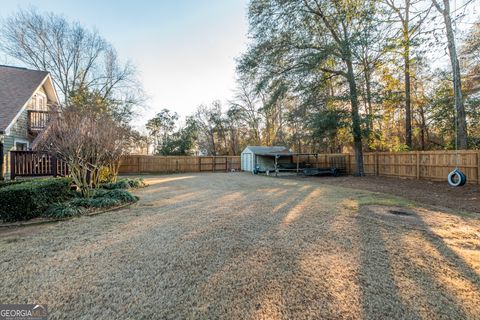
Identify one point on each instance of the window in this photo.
(21, 146)
(33, 102)
(40, 103)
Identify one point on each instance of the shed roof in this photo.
(17, 86)
(269, 150)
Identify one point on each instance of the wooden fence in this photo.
(425, 165)
(172, 164)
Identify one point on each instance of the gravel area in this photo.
(237, 246)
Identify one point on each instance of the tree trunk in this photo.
(406, 58)
(369, 110)
(457, 80)
(356, 129)
(423, 128)
(408, 107)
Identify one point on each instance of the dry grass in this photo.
(236, 246)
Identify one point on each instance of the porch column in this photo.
(1, 162)
(298, 163)
(276, 166)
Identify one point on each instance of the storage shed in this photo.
(263, 158)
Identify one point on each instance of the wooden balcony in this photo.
(37, 120)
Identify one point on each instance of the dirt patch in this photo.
(237, 246)
(466, 198)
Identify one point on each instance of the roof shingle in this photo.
(16, 86)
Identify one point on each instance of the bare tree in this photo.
(87, 142)
(75, 56)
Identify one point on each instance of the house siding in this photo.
(18, 131)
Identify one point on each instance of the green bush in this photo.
(136, 183)
(30, 199)
(119, 194)
(105, 198)
(63, 210)
(101, 202)
(121, 184)
(125, 184)
(11, 182)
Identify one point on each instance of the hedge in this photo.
(30, 199)
(124, 184)
(10, 182)
(105, 198)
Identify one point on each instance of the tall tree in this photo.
(461, 118)
(302, 42)
(161, 128)
(411, 16)
(211, 134)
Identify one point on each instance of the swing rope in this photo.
(461, 177)
(455, 98)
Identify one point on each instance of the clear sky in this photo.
(185, 50)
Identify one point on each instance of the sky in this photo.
(184, 50)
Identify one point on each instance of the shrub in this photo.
(101, 202)
(11, 182)
(125, 184)
(106, 175)
(30, 199)
(121, 184)
(121, 195)
(136, 183)
(105, 198)
(63, 210)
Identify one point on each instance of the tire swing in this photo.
(457, 178)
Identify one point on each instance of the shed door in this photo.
(247, 162)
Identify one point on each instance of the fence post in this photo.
(376, 163)
(54, 166)
(12, 165)
(199, 164)
(418, 164)
(350, 164)
(478, 167)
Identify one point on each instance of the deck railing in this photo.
(35, 164)
(37, 120)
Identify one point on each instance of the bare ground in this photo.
(236, 246)
(441, 194)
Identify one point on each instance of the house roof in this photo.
(17, 85)
(262, 150)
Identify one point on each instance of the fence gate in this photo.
(214, 164)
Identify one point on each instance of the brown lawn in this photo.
(237, 246)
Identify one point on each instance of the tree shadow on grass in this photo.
(403, 275)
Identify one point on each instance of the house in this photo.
(262, 159)
(26, 99)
